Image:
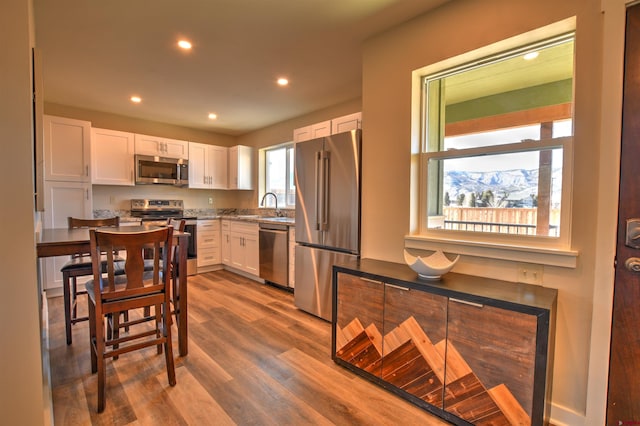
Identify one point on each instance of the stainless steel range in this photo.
(152, 210)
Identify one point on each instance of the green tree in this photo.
(447, 199)
(487, 198)
(460, 199)
(472, 200)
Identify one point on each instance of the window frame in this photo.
(264, 170)
(537, 249)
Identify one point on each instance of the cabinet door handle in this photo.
(466, 302)
(397, 287)
(86, 170)
(370, 280)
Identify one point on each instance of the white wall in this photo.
(455, 28)
(21, 386)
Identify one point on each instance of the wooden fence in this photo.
(496, 219)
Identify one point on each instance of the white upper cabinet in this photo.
(112, 155)
(219, 161)
(329, 127)
(241, 167)
(313, 131)
(207, 166)
(67, 149)
(346, 123)
(161, 147)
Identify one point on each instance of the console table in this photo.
(471, 350)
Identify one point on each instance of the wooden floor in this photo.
(254, 359)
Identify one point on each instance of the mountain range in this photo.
(515, 186)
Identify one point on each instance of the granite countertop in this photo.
(260, 219)
(206, 214)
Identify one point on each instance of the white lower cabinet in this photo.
(225, 242)
(208, 242)
(245, 250)
(61, 200)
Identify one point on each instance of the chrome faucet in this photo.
(265, 196)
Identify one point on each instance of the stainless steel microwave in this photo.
(162, 170)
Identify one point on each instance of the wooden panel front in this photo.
(429, 311)
(359, 322)
(490, 349)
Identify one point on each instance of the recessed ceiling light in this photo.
(136, 99)
(213, 116)
(531, 55)
(184, 44)
(283, 81)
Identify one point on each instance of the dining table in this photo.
(65, 241)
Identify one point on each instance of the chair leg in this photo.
(115, 317)
(74, 298)
(175, 296)
(159, 320)
(100, 349)
(92, 335)
(67, 305)
(168, 347)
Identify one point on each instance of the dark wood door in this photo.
(623, 404)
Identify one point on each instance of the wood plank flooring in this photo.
(254, 359)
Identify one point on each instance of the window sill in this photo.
(515, 253)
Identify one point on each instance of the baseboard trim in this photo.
(53, 292)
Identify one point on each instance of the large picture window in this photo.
(497, 136)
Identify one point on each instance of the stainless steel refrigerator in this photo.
(327, 178)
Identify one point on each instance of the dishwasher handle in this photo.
(271, 227)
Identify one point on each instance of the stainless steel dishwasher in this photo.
(274, 253)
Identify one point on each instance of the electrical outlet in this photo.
(530, 273)
(210, 200)
(112, 200)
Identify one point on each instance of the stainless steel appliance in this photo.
(150, 210)
(161, 170)
(274, 253)
(327, 177)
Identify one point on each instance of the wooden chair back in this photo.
(138, 282)
(178, 224)
(118, 290)
(74, 222)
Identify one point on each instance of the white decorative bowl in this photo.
(431, 267)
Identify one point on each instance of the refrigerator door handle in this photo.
(324, 223)
(318, 194)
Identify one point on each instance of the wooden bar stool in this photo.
(78, 266)
(109, 294)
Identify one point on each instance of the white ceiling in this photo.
(97, 54)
